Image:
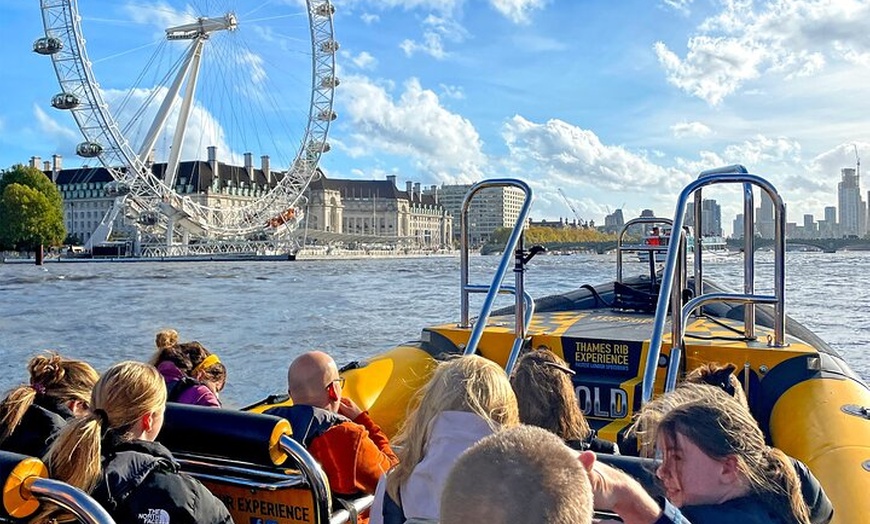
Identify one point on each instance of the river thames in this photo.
(259, 315)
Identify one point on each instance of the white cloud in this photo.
(679, 5)
(455, 92)
(436, 31)
(369, 18)
(414, 125)
(52, 129)
(363, 60)
(690, 130)
(253, 63)
(160, 14)
(749, 40)
(202, 129)
(517, 11)
(578, 157)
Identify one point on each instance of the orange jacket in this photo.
(353, 455)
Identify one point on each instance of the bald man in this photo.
(350, 447)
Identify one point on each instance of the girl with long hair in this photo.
(467, 399)
(545, 396)
(31, 414)
(111, 453)
(193, 374)
(716, 466)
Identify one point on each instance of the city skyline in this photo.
(610, 109)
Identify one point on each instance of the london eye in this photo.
(188, 93)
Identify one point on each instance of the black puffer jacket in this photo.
(141, 484)
(40, 423)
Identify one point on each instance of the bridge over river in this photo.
(828, 245)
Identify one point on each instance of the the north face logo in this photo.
(154, 516)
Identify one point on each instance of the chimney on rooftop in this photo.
(266, 166)
(56, 167)
(46, 166)
(213, 163)
(35, 162)
(409, 187)
(417, 192)
(249, 167)
(392, 179)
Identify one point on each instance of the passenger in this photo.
(111, 454)
(545, 395)
(59, 389)
(193, 375)
(166, 339)
(467, 399)
(522, 474)
(715, 464)
(350, 447)
(722, 376)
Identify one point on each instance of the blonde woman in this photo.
(467, 399)
(31, 414)
(111, 454)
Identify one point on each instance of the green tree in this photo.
(31, 210)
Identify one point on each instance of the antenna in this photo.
(857, 163)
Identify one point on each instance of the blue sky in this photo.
(615, 102)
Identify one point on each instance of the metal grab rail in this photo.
(735, 174)
(314, 474)
(651, 249)
(514, 247)
(70, 498)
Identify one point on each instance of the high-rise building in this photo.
(828, 226)
(491, 209)
(711, 218)
(613, 222)
(850, 204)
(764, 217)
(737, 226)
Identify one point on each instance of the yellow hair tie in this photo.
(209, 361)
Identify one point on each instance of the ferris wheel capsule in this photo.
(47, 45)
(327, 116)
(89, 149)
(65, 101)
(330, 46)
(324, 9)
(318, 147)
(148, 218)
(330, 82)
(116, 188)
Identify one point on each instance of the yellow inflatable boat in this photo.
(634, 338)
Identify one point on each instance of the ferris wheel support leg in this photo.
(184, 114)
(170, 232)
(163, 113)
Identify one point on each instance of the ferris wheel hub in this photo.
(203, 27)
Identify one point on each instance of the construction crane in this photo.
(573, 209)
(857, 163)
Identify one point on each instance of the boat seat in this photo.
(26, 486)
(251, 463)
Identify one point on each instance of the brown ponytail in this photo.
(51, 376)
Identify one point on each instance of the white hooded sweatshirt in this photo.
(452, 433)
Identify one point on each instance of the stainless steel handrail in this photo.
(514, 241)
(314, 474)
(70, 498)
(527, 318)
(352, 509)
(620, 239)
(691, 305)
(735, 174)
